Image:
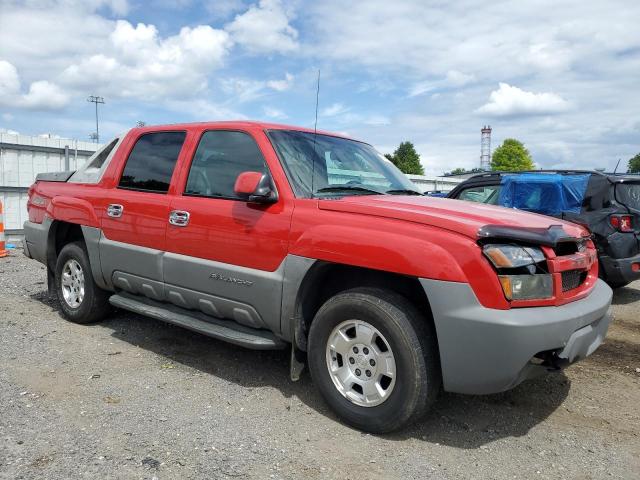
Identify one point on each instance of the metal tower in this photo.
(96, 100)
(485, 148)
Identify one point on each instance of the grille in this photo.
(572, 279)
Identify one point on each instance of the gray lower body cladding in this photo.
(485, 350)
(620, 270)
(35, 240)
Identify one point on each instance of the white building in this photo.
(22, 158)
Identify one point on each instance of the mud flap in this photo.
(51, 281)
(297, 363)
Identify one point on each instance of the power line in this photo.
(96, 100)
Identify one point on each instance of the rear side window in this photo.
(221, 156)
(629, 194)
(152, 161)
(92, 171)
(487, 194)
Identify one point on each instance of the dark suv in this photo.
(607, 204)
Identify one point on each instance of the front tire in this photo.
(374, 359)
(81, 300)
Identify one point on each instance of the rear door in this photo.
(227, 258)
(135, 220)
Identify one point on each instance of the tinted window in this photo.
(151, 162)
(487, 194)
(629, 194)
(222, 156)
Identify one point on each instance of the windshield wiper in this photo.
(347, 188)
(403, 191)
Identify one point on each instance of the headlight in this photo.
(512, 256)
(520, 260)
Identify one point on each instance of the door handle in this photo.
(179, 218)
(114, 210)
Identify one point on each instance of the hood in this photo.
(460, 216)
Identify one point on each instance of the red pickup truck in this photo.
(269, 236)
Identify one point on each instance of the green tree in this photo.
(462, 171)
(406, 159)
(634, 164)
(511, 156)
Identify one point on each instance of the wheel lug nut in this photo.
(368, 372)
(355, 349)
(358, 372)
(372, 362)
(352, 360)
(365, 350)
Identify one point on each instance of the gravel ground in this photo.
(135, 398)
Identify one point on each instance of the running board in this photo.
(225, 330)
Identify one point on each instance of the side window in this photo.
(222, 156)
(151, 162)
(487, 194)
(91, 172)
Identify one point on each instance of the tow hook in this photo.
(553, 362)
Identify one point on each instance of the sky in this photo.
(562, 76)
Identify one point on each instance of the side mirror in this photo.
(255, 187)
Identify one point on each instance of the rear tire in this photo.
(403, 344)
(81, 300)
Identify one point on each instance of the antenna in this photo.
(617, 165)
(315, 134)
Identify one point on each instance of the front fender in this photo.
(387, 251)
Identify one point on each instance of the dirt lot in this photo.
(135, 398)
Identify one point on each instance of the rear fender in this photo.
(73, 210)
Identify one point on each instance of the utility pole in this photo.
(96, 100)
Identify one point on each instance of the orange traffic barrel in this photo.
(3, 250)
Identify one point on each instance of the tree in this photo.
(634, 164)
(511, 156)
(406, 159)
(462, 171)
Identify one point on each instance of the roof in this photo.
(239, 124)
(613, 177)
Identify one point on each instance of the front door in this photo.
(225, 257)
(135, 221)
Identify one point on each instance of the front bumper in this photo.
(619, 271)
(484, 350)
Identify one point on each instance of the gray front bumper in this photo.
(484, 350)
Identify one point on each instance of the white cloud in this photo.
(510, 101)
(274, 113)
(459, 79)
(118, 7)
(265, 28)
(42, 95)
(281, 85)
(376, 120)
(139, 63)
(334, 110)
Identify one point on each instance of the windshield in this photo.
(338, 166)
